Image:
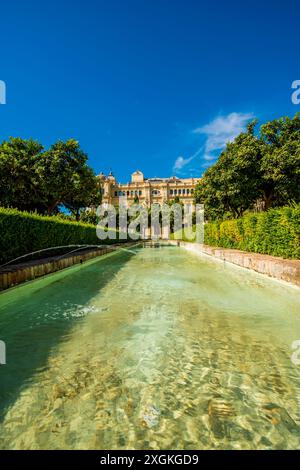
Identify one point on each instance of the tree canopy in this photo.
(261, 167)
(35, 179)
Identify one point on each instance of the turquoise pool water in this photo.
(150, 349)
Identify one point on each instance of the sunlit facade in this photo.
(148, 191)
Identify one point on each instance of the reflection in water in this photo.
(165, 350)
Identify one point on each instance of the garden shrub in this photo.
(275, 232)
(23, 232)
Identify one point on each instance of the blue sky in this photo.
(155, 85)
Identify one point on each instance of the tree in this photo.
(281, 161)
(20, 182)
(36, 180)
(68, 180)
(174, 205)
(254, 167)
(86, 192)
(89, 216)
(232, 184)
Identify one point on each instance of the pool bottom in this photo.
(164, 351)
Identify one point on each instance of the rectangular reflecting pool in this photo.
(150, 349)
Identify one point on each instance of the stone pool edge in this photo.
(23, 272)
(274, 267)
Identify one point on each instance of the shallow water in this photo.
(153, 349)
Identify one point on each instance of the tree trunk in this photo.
(52, 206)
(268, 199)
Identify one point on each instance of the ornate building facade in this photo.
(147, 191)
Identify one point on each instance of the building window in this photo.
(116, 193)
(175, 192)
(183, 191)
(187, 191)
(179, 191)
(171, 192)
(140, 192)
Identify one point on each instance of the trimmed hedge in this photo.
(275, 232)
(22, 233)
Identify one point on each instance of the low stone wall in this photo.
(278, 268)
(16, 274)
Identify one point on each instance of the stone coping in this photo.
(278, 268)
(12, 275)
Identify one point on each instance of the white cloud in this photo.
(221, 130)
(180, 162)
(209, 158)
(216, 135)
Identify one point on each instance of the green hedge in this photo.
(22, 233)
(275, 232)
